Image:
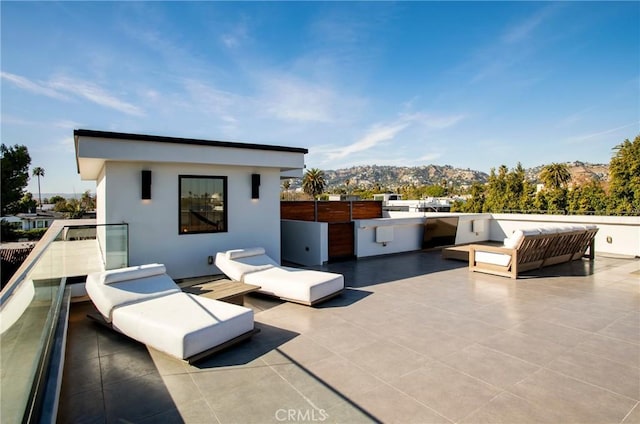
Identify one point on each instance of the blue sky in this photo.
(473, 85)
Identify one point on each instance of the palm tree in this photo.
(555, 176)
(39, 172)
(286, 185)
(313, 182)
(87, 201)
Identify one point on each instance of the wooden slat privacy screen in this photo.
(300, 211)
(331, 211)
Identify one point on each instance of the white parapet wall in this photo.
(304, 242)
(619, 235)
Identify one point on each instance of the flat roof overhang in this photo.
(94, 148)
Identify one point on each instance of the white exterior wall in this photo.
(305, 242)
(407, 236)
(153, 224)
(473, 228)
(624, 232)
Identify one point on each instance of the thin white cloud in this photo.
(292, 99)
(219, 104)
(381, 133)
(526, 28)
(511, 49)
(235, 37)
(429, 157)
(66, 124)
(575, 117)
(378, 134)
(442, 121)
(67, 143)
(59, 87)
(14, 120)
(587, 137)
(31, 86)
(95, 94)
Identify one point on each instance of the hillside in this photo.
(392, 177)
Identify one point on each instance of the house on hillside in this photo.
(186, 199)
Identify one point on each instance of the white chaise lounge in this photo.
(144, 303)
(253, 266)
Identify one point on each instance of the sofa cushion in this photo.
(183, 324)
(512, 241)
(131, 273)
(107, 297)
(492, 258)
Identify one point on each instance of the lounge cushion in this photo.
(297, 284)
(253, 266)
(235, 268)
(107, 297)
(242, 253)
(182, 324)
(131, 273)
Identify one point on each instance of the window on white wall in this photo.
(203, 204)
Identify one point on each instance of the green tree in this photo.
(589, 198)
(475, 203)
(624, 177)
(39, 172)
(56, 199)
(313, 182)
(435, 191)
(14, 168)
(496, 191)
(27, 204)
(74, 209)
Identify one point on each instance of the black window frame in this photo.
(225, 211)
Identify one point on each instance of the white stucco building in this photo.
(186, 199)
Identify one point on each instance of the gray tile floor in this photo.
(414, 339)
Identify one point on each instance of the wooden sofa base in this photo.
(96, 317)
(535, 252)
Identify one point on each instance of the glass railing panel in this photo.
(29, 303)
(116, 246)
(26, 316)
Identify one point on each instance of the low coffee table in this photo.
(224, 290)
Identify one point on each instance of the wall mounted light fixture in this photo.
(146, 184)
(255, 186)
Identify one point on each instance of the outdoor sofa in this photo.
(253, 266)
(144, 303)
(525, 250)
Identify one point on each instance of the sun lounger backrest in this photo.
(115, 288)
(243, 253)
(237, 263)
(132, 273)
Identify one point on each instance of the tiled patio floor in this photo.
(415, 339)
